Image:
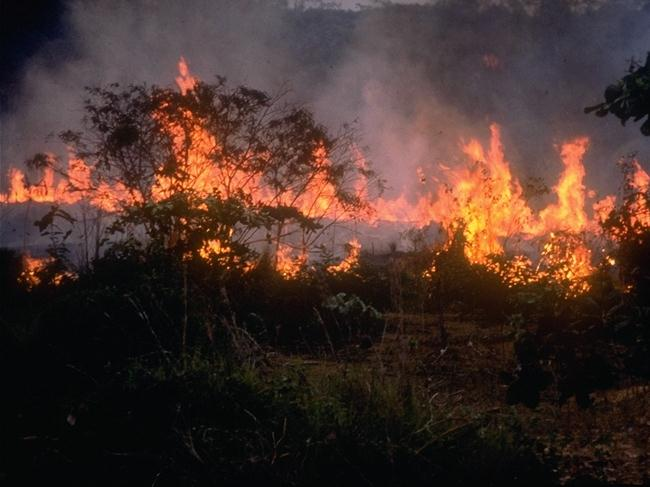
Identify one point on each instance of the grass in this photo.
(205, 421)
(98, 391)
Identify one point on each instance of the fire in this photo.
(33, 268)
(640, 185)
(604, 207)
(514, 272)
(568, 214)
(73, 186)
(486, 201)
(43, 191)
(482, 200)
(315, 198)
(633, 216)
(185, 81)
(213, 248)
(30, 274)
(566, 260)
(287, 263)
(352, 259)
(195, 151)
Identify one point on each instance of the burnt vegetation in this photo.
(161, 361)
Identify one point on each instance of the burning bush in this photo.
(628, 226)
(589, 341)
(212, 172)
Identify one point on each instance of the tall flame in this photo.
(568, 213)
(485, 200)
(185, 81)
(482, 199)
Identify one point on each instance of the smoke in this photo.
(421, 77)
(416, 78)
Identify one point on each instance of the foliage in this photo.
(572, 347)
(456, 283)
(627, 225)
(350, 319)
(57, 225)
(11, 267)
(590, 342)
(316, 312)
(570, 351)
(629, 98)
(215, 167)
(205, 421)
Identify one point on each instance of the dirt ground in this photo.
(609, 441)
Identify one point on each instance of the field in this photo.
(608, 441)
(97, 394)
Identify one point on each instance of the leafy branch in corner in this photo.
(629, 98)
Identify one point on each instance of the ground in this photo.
(609, 441)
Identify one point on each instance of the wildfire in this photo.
(566, 260)
(352, 259)
(568, 214)
(485, 202)
(287, 263)
(73, 186)
(640, 185)
(185, 81)
(514, 272)
(482, 200)
(604, 207)
(212, 248)
(33, 268)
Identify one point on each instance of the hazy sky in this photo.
(353, 4)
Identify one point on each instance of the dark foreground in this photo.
(397, 412)
(134, 374)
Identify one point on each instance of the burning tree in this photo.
(217, 172)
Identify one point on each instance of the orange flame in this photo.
(287, 263)
(485, 202)
(568, 214)
(74, 186)
(185, 81)
(30, 277)
(640, 183)
(352, 259)
(482, 199)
